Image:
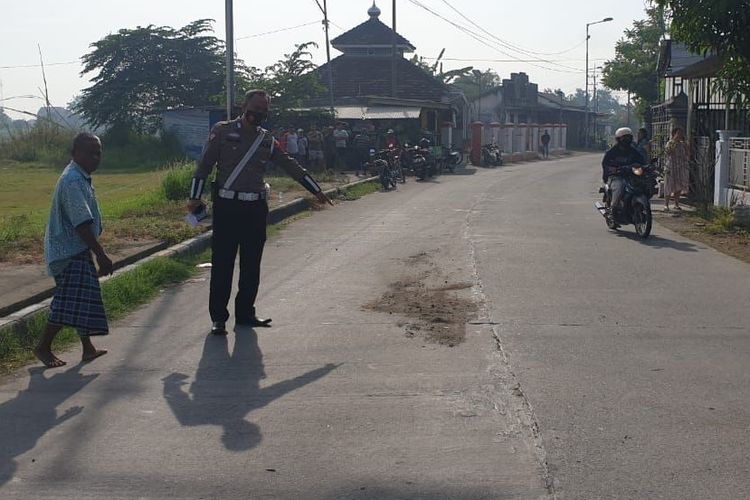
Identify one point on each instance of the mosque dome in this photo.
(374, 11)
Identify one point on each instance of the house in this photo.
(518, 103)
(362, 80)
(691, 99)
(693, 102)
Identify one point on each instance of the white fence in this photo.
(739, 163)
(732, 173)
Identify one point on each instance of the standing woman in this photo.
(677, 180)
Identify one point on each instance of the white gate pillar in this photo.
(721, 172)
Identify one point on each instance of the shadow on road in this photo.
(227, 387)
(33, 412)
(464, 171)
(658, 242)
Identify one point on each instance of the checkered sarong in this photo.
(78, 298)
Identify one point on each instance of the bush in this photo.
(42, 142)
(138, 152)
(122, 150)
(721, 220)
(176, 182)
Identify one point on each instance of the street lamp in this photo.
(586, 128)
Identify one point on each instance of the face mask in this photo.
(626, 141)
(258, 117)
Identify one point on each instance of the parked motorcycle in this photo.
(492, 156)
(394, 159)
(641, 184)
(453, 158)
(412, 158)
(433, 161)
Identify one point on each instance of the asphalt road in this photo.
(594, 365)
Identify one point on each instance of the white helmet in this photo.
(622, 132)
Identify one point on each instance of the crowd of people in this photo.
(335, 148)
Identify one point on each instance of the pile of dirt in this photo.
(437, 313)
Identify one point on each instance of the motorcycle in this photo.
(492, 156)
(394, 159)
(386, 170)
(453, 158)
(641, 184)
(433, 161)
(413, 159)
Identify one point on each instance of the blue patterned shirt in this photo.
(73, 204)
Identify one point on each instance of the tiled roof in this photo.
(371, 32)
(371, 76)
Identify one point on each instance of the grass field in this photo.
(133, 202)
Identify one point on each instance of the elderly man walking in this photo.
(74, 227)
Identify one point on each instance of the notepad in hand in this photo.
(197, 216)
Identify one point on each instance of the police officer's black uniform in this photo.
(240, 212)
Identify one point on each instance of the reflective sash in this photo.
(245, 159)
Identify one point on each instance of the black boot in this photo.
(254, 321)
(219, 328)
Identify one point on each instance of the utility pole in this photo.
(328, 56)
(586, 121)
(596, 108)
(628, 108)
(229, 17)
(394, 78)
(596, 105)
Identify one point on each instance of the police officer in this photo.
(241, 149)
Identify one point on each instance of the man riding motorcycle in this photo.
(622, 154)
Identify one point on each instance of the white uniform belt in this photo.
(235, 195)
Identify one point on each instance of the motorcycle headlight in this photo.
(638, 171)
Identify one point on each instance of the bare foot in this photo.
(90, 356)
(48, 359)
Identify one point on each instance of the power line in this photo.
(505, 43)
(483, 39)
(289, 28)
(508, 44)
(39, 65)
(459, 59)
(21, 97)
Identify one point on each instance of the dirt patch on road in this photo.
(432, 307)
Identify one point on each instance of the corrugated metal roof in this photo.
(377, 112)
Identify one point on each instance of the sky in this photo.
(547, 35)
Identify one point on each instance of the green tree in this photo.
(602, 101)
(477, 82)
(636, 56)
(721, 27)
(140, 72)
(291, 80)
(436, 69)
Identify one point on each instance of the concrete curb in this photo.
(193, 246)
